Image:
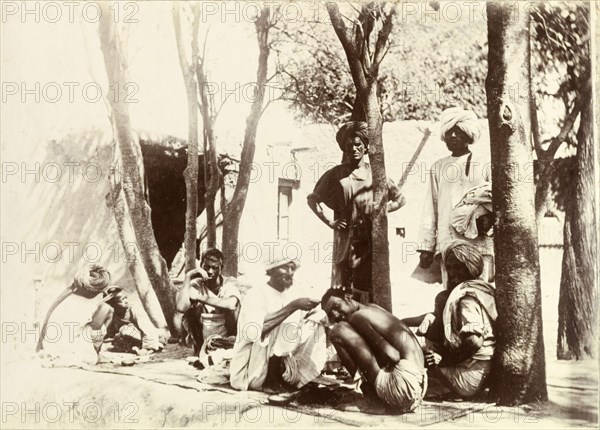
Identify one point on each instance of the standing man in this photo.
(449, 180)
(347, 189)
(210, 303)
(277, 347)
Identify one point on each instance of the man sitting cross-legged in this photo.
(372, 341)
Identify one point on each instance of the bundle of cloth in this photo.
(475, 203)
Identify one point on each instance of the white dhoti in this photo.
(300, 342)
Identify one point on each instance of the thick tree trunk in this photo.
(234, 209)
(131, 155)
(520, 372)
(138, 273)
(578, 301)
(380, 266)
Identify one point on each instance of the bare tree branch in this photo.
(535, 130)
(383, 36)
(582, 98)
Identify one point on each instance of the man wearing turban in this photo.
(449, 180)
(279, 346)
(76, 322)
(463, 362)
(347, 189)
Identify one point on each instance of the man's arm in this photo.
(315, 206)
(414, 321)
(470, 319)
(227, 303)
(470, 344)
(185, 294)
(369, 322)
(395, 197)
(274, 319)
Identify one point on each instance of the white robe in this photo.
(69, 338)
(447, 184)
(301, 342)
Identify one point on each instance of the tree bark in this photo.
(190, 173)
(212, 174)
(147, 295)
(519, 362)
(364, 68)
(234, 209)
(380, 266)
(578, 300)
(131, 155)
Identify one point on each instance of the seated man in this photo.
(372, 341)
(129, 333)
(209, 303)
(276, 348)
(462, 364)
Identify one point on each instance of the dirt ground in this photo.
(163, 392)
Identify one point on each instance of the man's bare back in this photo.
(387, 328)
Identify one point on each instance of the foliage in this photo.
(561, 50)
(561, 61)
(429, 67)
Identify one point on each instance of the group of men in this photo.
(280, 340)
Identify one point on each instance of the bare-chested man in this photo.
(372, 341)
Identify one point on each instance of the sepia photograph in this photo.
(299, 214)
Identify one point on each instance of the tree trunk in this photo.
(138, 273)
(542, 187)
(131, 155)
(364, 70)
(190, 173)
(578, 300)
(520, 371)
(234, 209)
(380, 266)
(212, 174)
(191, 179)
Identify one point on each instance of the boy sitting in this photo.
(129, 333)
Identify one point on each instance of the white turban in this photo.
(465, 119)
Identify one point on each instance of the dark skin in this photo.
(355, 150)
(457, 142)
(470, 342)
(368, 338)
(281, 278)
(209, 272)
